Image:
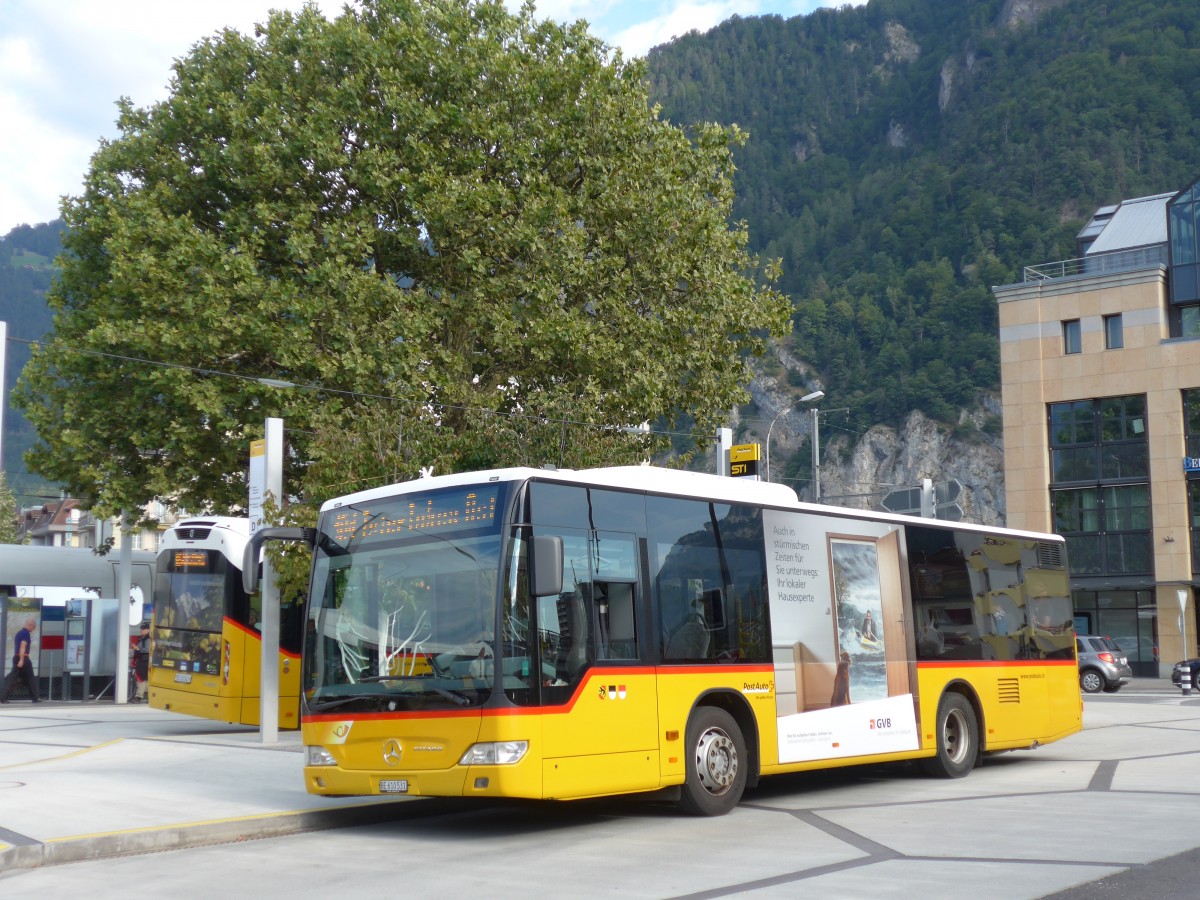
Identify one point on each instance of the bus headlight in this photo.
(494, 753)
(318, 756)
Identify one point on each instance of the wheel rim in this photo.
(954, 737)
(1091, 681)
(716, 761)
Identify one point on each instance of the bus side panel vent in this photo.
(1050, 556)
(1009, 690)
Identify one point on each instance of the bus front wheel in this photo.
(957, 739)
(716, 765)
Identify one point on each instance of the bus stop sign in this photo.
(743, 460)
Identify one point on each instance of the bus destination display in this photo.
(451, 510)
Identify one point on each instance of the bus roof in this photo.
(677, 482)
(648, 478)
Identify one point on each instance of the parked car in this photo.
(1102, 664)
(1177, 678)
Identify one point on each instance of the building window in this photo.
(1072, 341)
(1114, 336)
(1099, 488)
(1189, 322)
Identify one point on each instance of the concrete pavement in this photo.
(88, 781)
(84, 781)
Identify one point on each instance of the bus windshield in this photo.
(404, 601)
(190, 592)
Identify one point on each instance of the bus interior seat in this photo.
(690, 640)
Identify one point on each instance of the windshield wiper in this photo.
(343, 699)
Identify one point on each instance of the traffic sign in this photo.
(902, 500)
(951, 512)
(947, 491)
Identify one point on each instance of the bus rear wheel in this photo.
(957, 739)
(716, 764)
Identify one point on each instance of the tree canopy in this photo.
(460, 236)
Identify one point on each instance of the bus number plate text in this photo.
(183, 677)
(393, 786)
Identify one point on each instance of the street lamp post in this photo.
(807, 398)
(816, 454)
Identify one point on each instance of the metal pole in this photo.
(724, 442)
(1182, 594)
(124, 582)
(769, 430)
(268, 695)
(816, 454)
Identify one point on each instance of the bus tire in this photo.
(957, 739)
(716, 763)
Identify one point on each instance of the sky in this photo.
(65, 63)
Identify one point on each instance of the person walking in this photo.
(22, 664)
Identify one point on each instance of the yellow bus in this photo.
(568, 634)
(206, 649)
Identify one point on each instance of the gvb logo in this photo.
(880, 724)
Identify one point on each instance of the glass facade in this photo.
(1100, 491)
(1182, 213)
(1191, 435)
(1128, 617)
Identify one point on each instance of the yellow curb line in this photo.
(231, 820)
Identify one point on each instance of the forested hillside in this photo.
(906, 155)
(26, 267)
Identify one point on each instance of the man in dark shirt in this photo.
(22, 664)
(141, 663)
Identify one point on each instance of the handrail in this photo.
(1098, 263)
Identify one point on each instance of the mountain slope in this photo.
(906, 155)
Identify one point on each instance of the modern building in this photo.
(1100, 369)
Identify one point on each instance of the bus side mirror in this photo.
(545, 565)
(254, 548)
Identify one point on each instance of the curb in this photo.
(221, 831)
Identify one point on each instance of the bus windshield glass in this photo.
(189, 599)
(404, 601)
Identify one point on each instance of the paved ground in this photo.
(81, 781)
(93, 782)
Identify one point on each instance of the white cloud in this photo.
(65, 63)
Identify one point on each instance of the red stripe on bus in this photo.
(605, 674)
(253, 633)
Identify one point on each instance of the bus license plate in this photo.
(393, 786)
(183, 677)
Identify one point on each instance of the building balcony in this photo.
(1099, 263)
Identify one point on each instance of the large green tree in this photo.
(463, 235)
